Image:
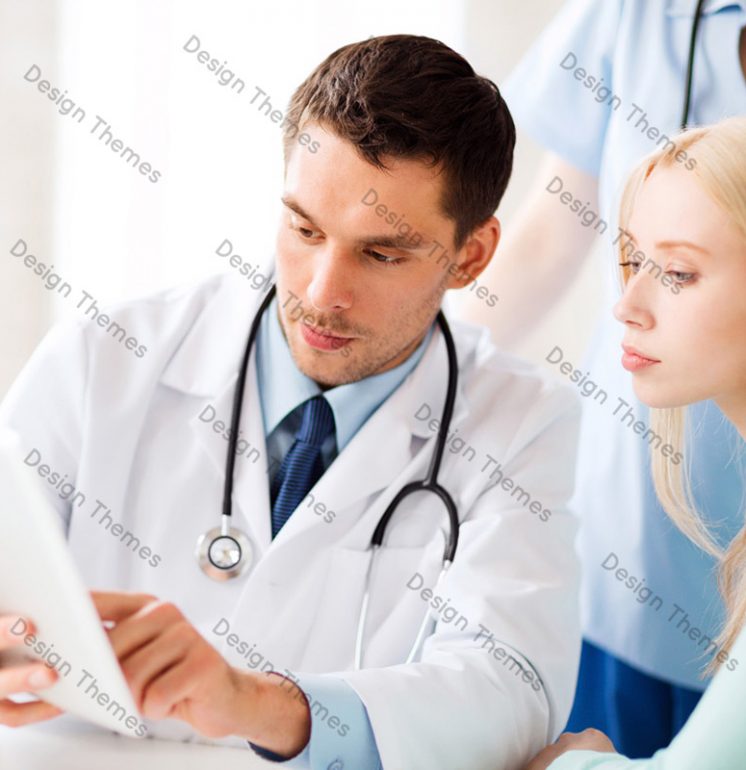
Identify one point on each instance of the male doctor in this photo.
(396, 157)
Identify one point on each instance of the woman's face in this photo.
(684, 304)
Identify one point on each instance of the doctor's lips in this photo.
(321, 340)
(633, 360)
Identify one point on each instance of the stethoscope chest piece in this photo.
(224, 553)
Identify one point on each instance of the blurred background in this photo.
(107, 229)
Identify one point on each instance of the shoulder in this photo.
(150, 324)
(142, 338)
(180, 302)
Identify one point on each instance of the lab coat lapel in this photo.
(217, 341)
(251, 486)
(251, 510)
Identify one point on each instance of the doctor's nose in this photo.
(633, 308)
(331, 286)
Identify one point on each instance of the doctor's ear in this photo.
(474, 256)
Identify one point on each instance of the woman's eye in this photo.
(305, 231)
(634, 266)
(680, 277)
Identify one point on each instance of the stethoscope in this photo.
(225, 552)
(690, 64)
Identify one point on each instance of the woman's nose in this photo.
(633, 307)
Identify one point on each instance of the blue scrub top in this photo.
(601, 87)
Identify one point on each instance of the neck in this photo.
(734, 408)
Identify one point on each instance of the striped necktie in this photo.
(302, 466)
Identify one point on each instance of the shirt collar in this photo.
(282, 386)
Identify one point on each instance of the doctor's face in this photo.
(358, 278)
(690, 343)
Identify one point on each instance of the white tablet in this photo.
(39, 580)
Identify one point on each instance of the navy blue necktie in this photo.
(302, 466)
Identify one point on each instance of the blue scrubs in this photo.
(601, 87)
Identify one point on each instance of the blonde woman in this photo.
(684, 310)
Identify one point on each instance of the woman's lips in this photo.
(634, 361)
(323, 341)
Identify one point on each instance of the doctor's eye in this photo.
(383, 259)
(306, 233)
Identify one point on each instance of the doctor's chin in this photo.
(325, 522)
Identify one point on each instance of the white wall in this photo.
(27, 157)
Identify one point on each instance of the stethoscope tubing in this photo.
(428, 484)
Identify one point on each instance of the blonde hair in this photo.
(717, 158)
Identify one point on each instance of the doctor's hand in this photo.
(22, 677)
(175, 673)
(588, 740)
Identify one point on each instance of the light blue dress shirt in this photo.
(282, 388)
(637, 50)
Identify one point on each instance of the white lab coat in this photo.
(127, 431)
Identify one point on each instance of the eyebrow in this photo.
(681, 244)
(396, 241)
(665, 245)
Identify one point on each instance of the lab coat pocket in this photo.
(395, 608)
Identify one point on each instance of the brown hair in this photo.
(408, 96)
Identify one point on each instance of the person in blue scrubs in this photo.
(691, 221)
(603, 85)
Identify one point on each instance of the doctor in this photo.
(341, 407)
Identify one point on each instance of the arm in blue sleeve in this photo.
(545, 98)
(341, 733)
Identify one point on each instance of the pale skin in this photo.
(332, 254)
(696, 336)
